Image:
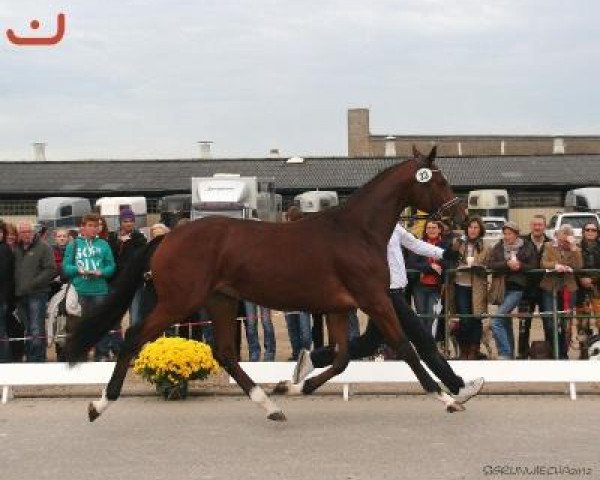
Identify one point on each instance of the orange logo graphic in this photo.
(35, 24)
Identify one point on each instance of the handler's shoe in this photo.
(303, 367)
(471, 388)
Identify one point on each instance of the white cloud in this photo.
(149, 78)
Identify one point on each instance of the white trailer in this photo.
(488, 203)
(110, 208)
(63, 212)
(235, 196)
(583, 200)
(316, 200)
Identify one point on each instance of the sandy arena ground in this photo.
(370, 438)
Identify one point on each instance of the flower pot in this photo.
(173, 391)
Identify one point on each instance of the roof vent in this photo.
(558, 146)
(205, 149)
(295, 160)
(390, 146)
(39, 152)
(274, 153)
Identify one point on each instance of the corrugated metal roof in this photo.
(339, 173)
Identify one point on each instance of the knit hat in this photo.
(127, 214)
(511, 226)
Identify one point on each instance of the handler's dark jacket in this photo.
(514, 280)
(124, 251)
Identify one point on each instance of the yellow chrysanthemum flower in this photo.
(175, 359)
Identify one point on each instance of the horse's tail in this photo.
(101, 319)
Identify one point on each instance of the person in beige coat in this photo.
(562, 256)
(467, 292)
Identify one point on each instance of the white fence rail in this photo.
(517, 371)
(19, 374)
(494, 371)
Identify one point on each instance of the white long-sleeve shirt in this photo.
(403, 238)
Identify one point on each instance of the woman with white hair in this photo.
(562, 256)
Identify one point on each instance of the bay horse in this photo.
(327, 263)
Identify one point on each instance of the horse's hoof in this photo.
(93, 414)
(455, 407)
(277, 416)
(281, 388)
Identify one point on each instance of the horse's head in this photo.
(431, 191)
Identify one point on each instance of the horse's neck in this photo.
(377, 207)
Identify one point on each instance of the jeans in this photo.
(4, 345)
(207, 329)
(502, 327)
(110, 342)
(368, 343)
(547, 306)
(531, 299)
(251, 323)
(32, 312)
(136, 310)
(425, 299)
(469, 328)
(299, 330)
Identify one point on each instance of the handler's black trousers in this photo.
(368, 343)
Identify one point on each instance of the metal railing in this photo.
(485, 272)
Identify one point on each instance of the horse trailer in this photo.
(583, 200)
(232, 195)
(174, 207)
(63, 212)
(316, 201)
(110, 208)
(488, 203)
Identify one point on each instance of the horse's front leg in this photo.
(384, 317)
(135, 338)
(222, 310)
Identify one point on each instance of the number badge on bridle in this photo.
(423, 175)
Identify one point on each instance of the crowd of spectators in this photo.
(521, 275)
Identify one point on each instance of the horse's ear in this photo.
(431, 156)
(416, 152)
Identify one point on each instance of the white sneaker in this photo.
(303, 367)
(471, 388)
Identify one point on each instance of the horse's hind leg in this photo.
(337, 325)
(135, 337)
(223, 311)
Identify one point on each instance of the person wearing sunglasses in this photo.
(588, 294)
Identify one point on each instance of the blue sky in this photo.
(149, 78)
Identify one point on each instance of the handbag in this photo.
(497, 290)
(72, 304)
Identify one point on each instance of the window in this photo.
(66, 211)
(18, 207)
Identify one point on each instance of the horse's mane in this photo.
(371, 184)
(365, 189)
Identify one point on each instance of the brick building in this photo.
(362, 143)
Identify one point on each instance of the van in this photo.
(576, 219)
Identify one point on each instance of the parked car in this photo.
(576, 219)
